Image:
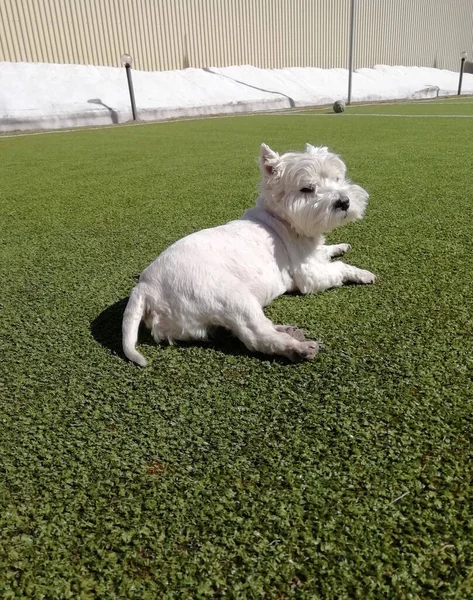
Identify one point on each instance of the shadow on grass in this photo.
(107, 327)
(107, 331)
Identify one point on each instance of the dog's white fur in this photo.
(224, 276)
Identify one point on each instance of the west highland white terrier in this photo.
(223, 276)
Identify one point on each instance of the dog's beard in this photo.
(314, 216)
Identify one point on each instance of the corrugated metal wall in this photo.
(429, 33)
(175, 34)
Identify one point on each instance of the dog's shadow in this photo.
(107, 331)
(107, 328)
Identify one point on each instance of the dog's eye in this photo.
(308, 190)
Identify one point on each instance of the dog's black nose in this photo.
(342, 203)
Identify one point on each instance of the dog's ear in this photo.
(310, 149)
(321, 150)
(268, 160)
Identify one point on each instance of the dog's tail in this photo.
(131, 323)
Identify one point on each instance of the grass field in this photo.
(213, 472)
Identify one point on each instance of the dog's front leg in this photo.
(317, 277)
(325, 253)
(334, 250)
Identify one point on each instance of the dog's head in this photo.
(309, 190)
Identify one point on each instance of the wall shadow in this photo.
(292, 103)
(185, 54)
(468, 67)
(113, 113)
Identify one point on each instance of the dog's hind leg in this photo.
(181, 330)
(259, 334)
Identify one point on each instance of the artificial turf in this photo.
(213, 472)
(459, 107)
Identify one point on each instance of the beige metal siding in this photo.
(175, 34)
(406, 32)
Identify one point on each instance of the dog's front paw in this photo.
(360, 276)
(339, 250)
(367, 277)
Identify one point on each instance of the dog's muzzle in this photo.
(342, 203)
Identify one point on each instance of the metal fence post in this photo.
(352, 44)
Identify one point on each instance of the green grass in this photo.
(442, 106)
(213, 472)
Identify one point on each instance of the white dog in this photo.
(224, 276)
